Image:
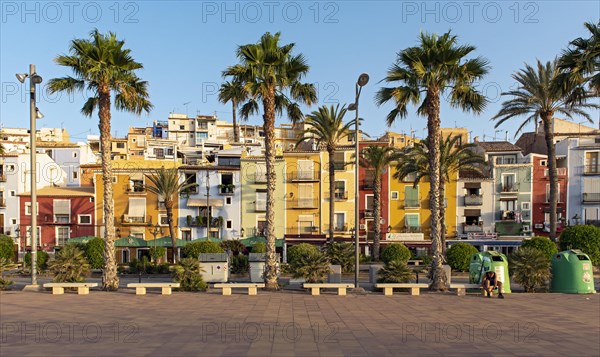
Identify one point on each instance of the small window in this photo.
(164, 220)
(84, 219)
(394, 195)
(13, 221)
(227, 200)
(75, 175)
(74, 154)
(115, 179)
(13, 193)
(10, 168)
(228, 224)
(543, 163)
(181, 127)
(525, 206)
(91, 199)
(28, 208)
(133, 140)
(120, 145)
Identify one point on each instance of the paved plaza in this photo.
(292, 322)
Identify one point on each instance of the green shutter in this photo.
(412, 220)
(411, 193)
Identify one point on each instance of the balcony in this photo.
(472, 228)
(367, 184)
(260, 206)
(339, 166)
(2, 177)
(560, 171)
(343, 228)
(593, 222)
(509, 188)
(591, 197)
(226, 190)
(136, 190)
(126, 219)
(412, 203)
(473, 200)
(303, 203)
(307, 231)
(303, 176)
(591, 169)
(340, 195)
(258, 177)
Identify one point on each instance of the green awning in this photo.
(165, 242)
(250, 241)
(130, 242)
(83, 240)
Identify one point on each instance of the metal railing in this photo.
(411, 203)
(591, 169)
(126, 219)
(473, 200)
(591, 197)
(302, 203)
(303, 175)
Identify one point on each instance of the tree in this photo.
(454, 156)
(436, 67)
(377, 158)
(234, 92)
(326, 127)
(70, 265)
(272, 75)
(540, 95)
(102, 67)
(580, 63)
(167, 186)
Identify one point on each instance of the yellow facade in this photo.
(137, 139)
(135, 208)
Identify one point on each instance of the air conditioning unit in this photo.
(539, 226)
(314, 228)
(525, 228)
(362, 226)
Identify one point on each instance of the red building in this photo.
(63, 213)
(366, 194)
(540, 199)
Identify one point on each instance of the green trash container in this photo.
(572, 273)
(483, 262)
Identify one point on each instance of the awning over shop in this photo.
(137, 207)
(472, 184)
(200, 202)
(165, 242)
(62, 207)
(130, 242)
(251, 241)
(81, 239)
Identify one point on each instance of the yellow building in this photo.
(137, 140)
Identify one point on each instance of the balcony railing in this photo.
(369, 213)
(308, 230)
(126, 219)
(259, 177)
(303, 203)
(593, 222)
(509, 188)
(339, 166)
(591, 169)
(340, 195)
(473, 200)
(343, 228)
(591, 197)
(303, 175)
(560, 171)
(412, 203)
(226, 190)
(472, 228)
(139, 190)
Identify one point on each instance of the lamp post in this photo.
(363, 79)
(34, 114)
(156, 230)
(18, 240)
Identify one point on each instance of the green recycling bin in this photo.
(572, 273)
(483, 262)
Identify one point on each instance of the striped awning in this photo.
(62, 206)
(137, 207)
(201, 202)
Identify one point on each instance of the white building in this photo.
(69, 157)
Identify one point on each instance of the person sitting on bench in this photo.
(490, 282)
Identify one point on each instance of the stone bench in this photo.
(461, 289)
(59, 288)
(388, 288)
(315, 288)
(251, 287)
(140, 288)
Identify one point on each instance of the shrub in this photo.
(41, 258)
(7, 247)
(395, 251)
(188, 273)
(94, 253)
(5, 264)
(156, 253)
(193, 250)
(543, 244)
(530, 267)
(234, 246)
(295, 251)
(395, 271)
(459, 256)
(586, 238)
(341, 254)
(259, 247)
(425, 259)
(137, 266)
(69, 265)
(239, 264)
(313, 266)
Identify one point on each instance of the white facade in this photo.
(69, 158)
(469, 199)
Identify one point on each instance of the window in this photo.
(508, 205)
(411, 197)
(191, 179)
(84, 219)
(13, 221)
(508, 183)
(338, 161)
(226, 179)
(228, 224)
(133, 140)
(28, 236)
(125, 256)
(75, 175)
(548, 193)
(159, 153)
(28, 208)
(10, 168)
(394, 195)
(340, 222)
(62, 235)
(13, 193)
(120, 145)
(369, 202)
(261, 201)
(74, 154)
(182, 127)
(228, 201)
(229, 161)
(201, 136)
(163, 220)
(543, 163)
(591, 162)
(136, 183)
(525, 206)
(115, 179)
(340, 190)
(411, 220)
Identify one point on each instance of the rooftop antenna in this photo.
(186, 108)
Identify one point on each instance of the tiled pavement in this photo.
(295, 323)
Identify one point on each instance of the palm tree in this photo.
(234, 92)
(102, 67)
(580, 63)
(540, 95)
(326, 127)
(272, 75)
(377, 158)
(435, 67)
(166, 185)
(454, 157)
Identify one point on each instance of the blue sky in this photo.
(184, 46)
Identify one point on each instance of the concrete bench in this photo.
(315, 288)
(251, 287)
(461, 289)
(388, 288)
(140, 288)
(59, 288)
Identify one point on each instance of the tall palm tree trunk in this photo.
(236, 134)
(439, 280)
(110, 280)
(549, 136)
(377, 215)
(330, 153)
(269, 128)
(169, 208)
(443, 214)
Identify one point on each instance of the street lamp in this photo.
(156, 230)
(34, 114)
(363, 79)
(576, 219)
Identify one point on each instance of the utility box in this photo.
(572, 273)
(257, 264)
(215, 266)
(483, 262)
(373, 270)
(335, 274)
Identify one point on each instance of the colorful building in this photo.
(540, 198)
